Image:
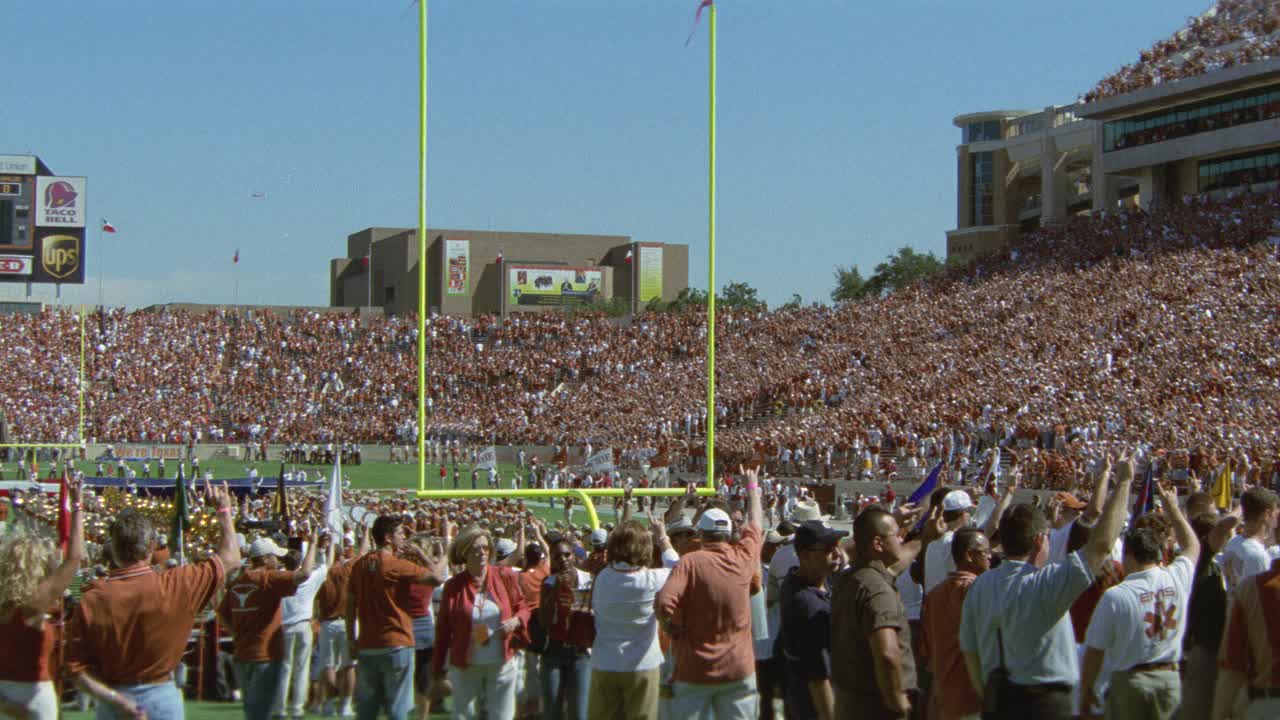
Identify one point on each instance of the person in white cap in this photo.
(251, 610)
(596, 560)
(957, 512)
(705, 608)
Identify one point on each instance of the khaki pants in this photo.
(624, 695)
(1144, 695)
(1265, 709)
(1198, 680)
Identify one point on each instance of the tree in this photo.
(794, 303)
(900, 270)
(613, 307)
(849, 284)
(688, 297)
(740, 295)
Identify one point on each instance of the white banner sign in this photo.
(601, 461)
(488, 458)
(18, 164)
(15, 265)
(60, 202)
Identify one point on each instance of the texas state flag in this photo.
(107, 227)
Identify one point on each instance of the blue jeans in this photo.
(723, 701)
(259, 684)
(162, 701)
(384, 681)
(568, 677)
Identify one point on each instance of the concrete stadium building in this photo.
(1212, 133)
(473, 272)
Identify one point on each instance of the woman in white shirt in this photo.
(626, 657)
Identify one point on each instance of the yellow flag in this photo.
(1222, 488)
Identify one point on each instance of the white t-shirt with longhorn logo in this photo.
(1142, 619)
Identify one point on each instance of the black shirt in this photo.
(1207, 609)
(804, 642)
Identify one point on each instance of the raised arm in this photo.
(1114, 512)
(308, 560)
(1093, 510)
(51, 588)
(1182, 532)
(228, 551)
(434, 562)
(993, 522)
(755, 511)
(626, 505)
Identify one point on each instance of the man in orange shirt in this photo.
(705, 606)
(953, 693)
(130, 631)
(251, 609)
(378, 595)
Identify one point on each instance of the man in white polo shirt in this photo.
(1136, 632)
(1246, 554)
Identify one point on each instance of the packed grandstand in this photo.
(1230, 33)
(1136, 326)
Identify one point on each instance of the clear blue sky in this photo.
(835, 136)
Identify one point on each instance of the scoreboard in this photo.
(42, 223)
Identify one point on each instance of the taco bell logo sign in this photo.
(60, 195)
(61, 202)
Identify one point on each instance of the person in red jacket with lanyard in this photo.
(378, 595)
(481, 612)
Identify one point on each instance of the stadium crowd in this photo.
(1233, 32)
(1085, 606)
(1130, 326)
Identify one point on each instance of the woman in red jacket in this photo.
(481, 612)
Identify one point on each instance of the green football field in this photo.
(369, 476)
(204, 711)
(386, 477)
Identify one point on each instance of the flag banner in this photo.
(926, 488)
(107, 227)
(1222, 488)
(697, 17)
(488, 458)
(1146, 501)
(601, 461)
(178, 530)
(282, 499)
(64, 514)
(333, 503)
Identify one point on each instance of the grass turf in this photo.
(383, 476)
(204, 711)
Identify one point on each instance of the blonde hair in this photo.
(24, 562)
(460, 548)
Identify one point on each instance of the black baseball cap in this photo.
(812, 533)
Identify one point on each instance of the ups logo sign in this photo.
(61, 256)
